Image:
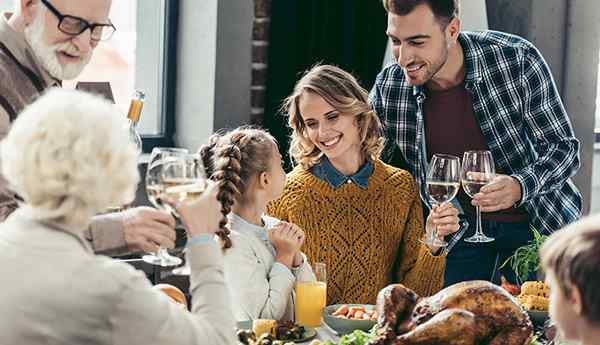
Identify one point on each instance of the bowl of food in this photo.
(263, 331)
(345, 318)
(534, 298)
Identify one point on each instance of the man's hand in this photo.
(146, 229)
(500, 194)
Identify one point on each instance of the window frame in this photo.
(169, 82)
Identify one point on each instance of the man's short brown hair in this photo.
(573, 256)
(444, 10)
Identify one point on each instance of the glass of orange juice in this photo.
(311, 298)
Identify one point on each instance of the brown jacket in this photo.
(22, 80)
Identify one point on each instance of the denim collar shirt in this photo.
(521, 116)
(328, 173)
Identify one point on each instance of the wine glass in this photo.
(443, 182)
(185, 180)
(154, 188)
(477, 171)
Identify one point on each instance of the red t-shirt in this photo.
(451, 128)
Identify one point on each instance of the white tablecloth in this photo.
(326, 333)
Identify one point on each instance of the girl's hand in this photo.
(284, 238)
(298, 259)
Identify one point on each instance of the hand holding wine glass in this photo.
(477, 171)
(171, 172)
(443, 182)
(205, 204)
(183, 184)
(502, 193)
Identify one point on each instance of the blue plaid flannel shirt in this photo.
(519, 112)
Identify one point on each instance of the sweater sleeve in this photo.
(145, 316)
(106, 234)
(418, 269)
(256, 295)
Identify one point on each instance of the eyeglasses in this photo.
(75, 26)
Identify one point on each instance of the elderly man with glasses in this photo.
(42, 43)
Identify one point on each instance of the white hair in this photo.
(69, 156)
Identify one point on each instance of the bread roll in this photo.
(535, 288)
(262, 326)
(173, 292)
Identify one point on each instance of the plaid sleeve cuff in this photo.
(457, 236)
(529, 186)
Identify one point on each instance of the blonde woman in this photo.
(361, 217)
(69, 157)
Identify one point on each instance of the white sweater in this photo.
(56, 291)
(261, 288)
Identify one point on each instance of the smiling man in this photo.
(450, 92)
(41, 44)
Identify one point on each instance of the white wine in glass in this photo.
(477, 171)
(185, 183)
(154, 188)
(443, 182)
(184, 189)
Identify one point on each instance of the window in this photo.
(140, 55)
(597, 123)
(6, 5)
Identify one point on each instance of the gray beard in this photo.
(46, 54)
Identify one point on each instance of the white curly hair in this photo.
(69, 156)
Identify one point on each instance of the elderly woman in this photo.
(68, 156)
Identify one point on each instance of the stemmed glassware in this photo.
(443, 182)
(179, 175)
(477, 171)
(191, 184)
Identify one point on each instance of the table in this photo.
(325, 333)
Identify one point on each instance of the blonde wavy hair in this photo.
(69, 156)
(343, 92)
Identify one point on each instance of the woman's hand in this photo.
(442, 221)
(287, 240)
(201, 215)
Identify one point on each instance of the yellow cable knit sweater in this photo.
(368, 238)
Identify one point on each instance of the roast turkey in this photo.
(468, 313)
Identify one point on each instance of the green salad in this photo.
(357, 337)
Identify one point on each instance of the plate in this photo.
(309, 332)
(538, 318)
(344, 326)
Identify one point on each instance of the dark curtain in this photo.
(346, 33)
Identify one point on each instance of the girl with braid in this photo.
(362, 217)
(264, 260)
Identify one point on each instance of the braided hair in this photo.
(231, 159)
